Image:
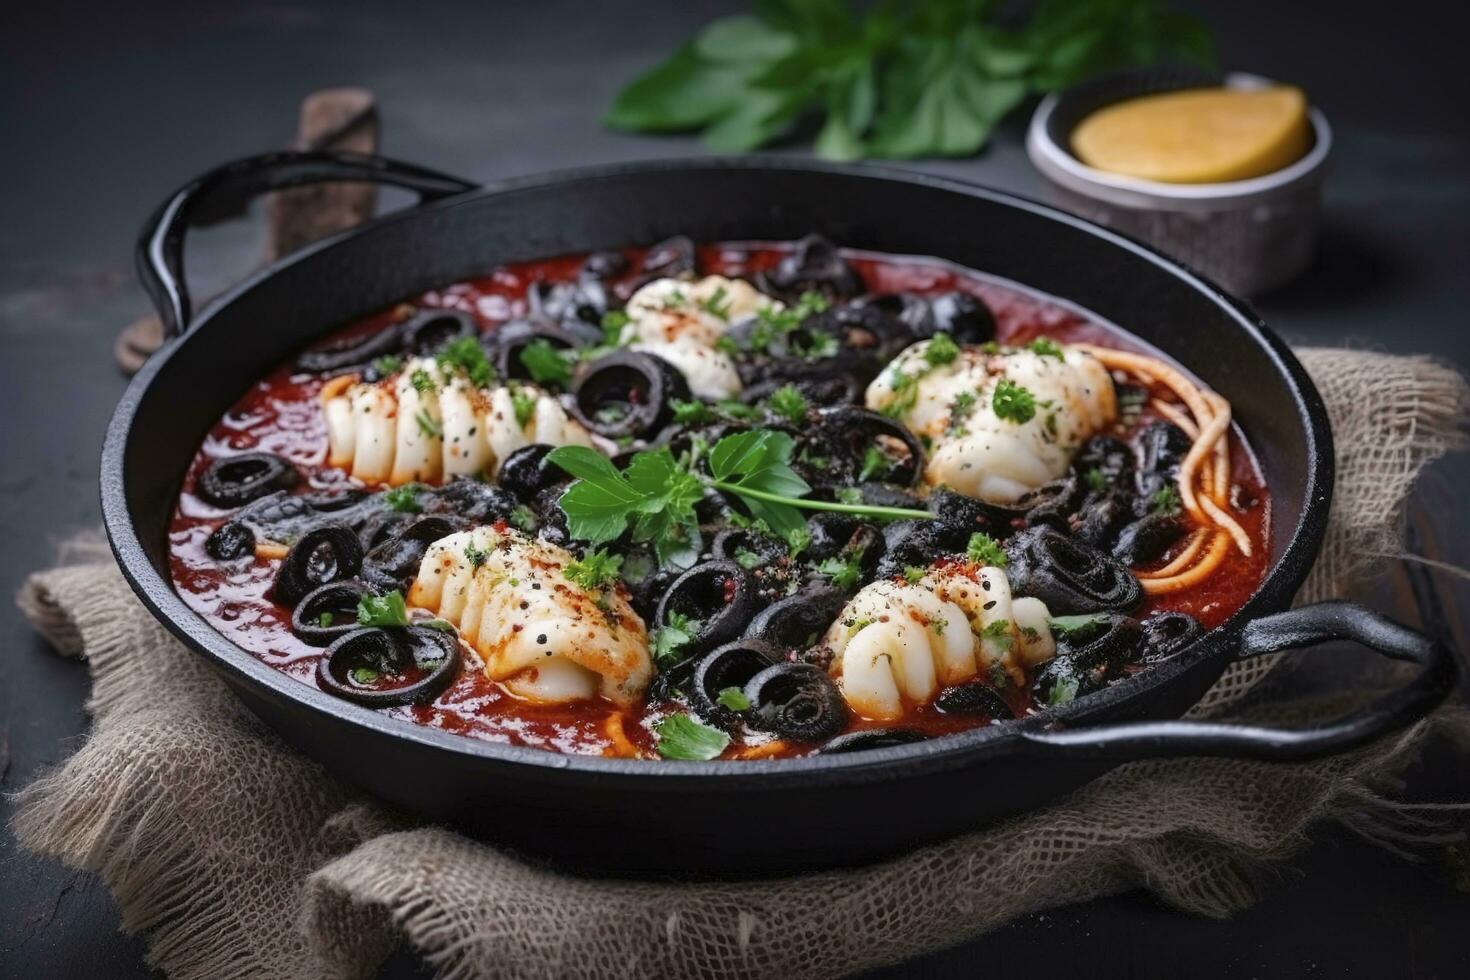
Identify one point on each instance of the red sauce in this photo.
(281, 414)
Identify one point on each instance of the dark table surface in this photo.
(106, 108)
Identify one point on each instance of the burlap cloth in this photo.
(240, 858)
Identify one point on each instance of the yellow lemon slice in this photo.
(1199, 136)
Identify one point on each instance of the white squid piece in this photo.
(396, 431)
(977, 451)
(542, 636)
(895, 646)
(683, 321)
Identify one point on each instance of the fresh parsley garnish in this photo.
(913, 574)
(523, 518)
(382, 610)
(475, 556)
(1012, 402)
(596, 571)
(772, 324)
(941, 350)
(1096, 479)
(1045, 347)
(986, 550)
(1082, 623)
(843, 572)
(920, 79)
(875, 461)
(422, 381)
(1063, 691)
(428, 426)
(717, 304)
(681, 737)
(546, 364)
(959, 411)
(905, 394)
(788, 403)
(465, 354)
(998, 631)
(404, 499)
(671, 638)
(1166, 501)
(613, 323)
(442, 625)
(324, 620)
(733, 698)
(654, 497)
(387, 364)
(523, 403)
(691, 412)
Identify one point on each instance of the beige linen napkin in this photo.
(240, 858)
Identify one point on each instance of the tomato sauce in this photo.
(281, 414)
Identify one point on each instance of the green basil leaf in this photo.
(685, 92)
(741, 40)
(382, 610)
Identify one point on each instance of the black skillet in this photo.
(650, 817)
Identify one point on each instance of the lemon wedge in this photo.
(1198, 136)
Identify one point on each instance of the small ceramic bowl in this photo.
(1248, 235)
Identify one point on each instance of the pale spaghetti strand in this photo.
(1203, 569)
(1197, 539)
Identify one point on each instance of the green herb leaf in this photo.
(670, 639)
(324, 620)
(404, 499)
(387, 364)
(844, 572)
(681, 737)
(428, 426)
(691, 412)
(422, 381)
(1045, 347)
(547, 365)
(465, 354)
(594, 572)
(999, 632)
(1095, 479)
(733, 698)
(523, 518)
(1077, 624)
(913, 574)
(941, 350)
(523, 402)
(442, 625)
(382, 610)
(1012, 402)
(986, 550)
(788, 403)
(1166, 501)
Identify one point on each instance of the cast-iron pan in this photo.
(722, 818)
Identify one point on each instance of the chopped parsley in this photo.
(442, 625)
(1096, 480)
(524, 403)
(681, 737)
(422, 381)
(382, 610)
(475, 556)
(747, 558)
(1045, 347)
(849, 495)
(990, 347)
(692, 412)
(986, 550)
(1012, 402)
(905, 395)
(733, 698)
(466, 354)
(717, 304)
(547, 364)
(613, 324)
(363, 676)
(404, 499)
(858, 625)
(427, 425)
(788, 403)
(1165, 501)
(735, 409)
(938, 624)
(388, 364)
(772, 324)
(875, 461)
(959, 411)
(913, 574)
(595, 571)
(999, 631)
(844, 572)
(523, 518)
(941, 350)
(1082, 623)
(670, 638)
(324, 620)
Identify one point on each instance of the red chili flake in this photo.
(516, 627)
(500, 526)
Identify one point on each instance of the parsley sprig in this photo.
(654, 497)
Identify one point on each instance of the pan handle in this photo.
(1289, 630)
(225, 190)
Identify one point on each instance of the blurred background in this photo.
(107, 107)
